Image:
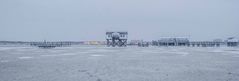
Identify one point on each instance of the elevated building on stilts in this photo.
(116, 39)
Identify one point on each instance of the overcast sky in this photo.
(33, 20)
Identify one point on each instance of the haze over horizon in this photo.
(77, 20)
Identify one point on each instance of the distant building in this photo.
(134, 42)
(94, 43)
(154, 43)
(143, 44)
(217, 40)
(173, 42)
(206, 43)
(232, 42)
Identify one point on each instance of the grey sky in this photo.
(32, 20)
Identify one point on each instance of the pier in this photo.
(46, 44)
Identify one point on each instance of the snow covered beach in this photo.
(100, 63)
